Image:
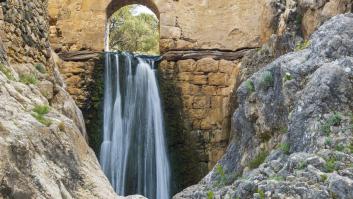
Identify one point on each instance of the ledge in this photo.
(79, 55)
(175, 55)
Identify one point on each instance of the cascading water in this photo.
(133, 153)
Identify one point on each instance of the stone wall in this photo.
(196, 95)
(25, 31)
(79, 24)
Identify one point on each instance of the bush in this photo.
(28, 79)
(259, 159)
(334, 120)
(250, 86)
(6, 71)
(287, 77)
(210, 195)
(330, 165)
(261, 193)
(302, 45)
(42, 119)
(267, 79)
(41, 109)
(339, 147)
(285, 148)
(41, 68)
(323, 177)
(39, 112)
(328, 141)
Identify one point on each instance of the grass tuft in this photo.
(267, 79)
(28, 79)
(259, 159)
(250, 87)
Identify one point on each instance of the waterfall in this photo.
(133, 153)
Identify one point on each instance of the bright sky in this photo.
(142, 9)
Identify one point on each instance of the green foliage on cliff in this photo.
(6, 71)
(39, 113)
(28, 79)
(259, 159)
(134, 32)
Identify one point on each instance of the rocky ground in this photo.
(292, 130)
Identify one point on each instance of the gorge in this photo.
(255, 97)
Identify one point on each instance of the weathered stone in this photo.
(186, 65)
(302, 153)
(199, 79)
(46, 88)
(201, 102)
(218, 79)
(207, 65)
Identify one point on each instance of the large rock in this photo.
(292, 130)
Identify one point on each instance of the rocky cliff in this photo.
(292, 129)
(44, 153)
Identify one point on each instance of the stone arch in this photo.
(115, 5)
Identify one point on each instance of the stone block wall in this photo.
(25, 30)
(199, 93)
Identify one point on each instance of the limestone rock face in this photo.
(292, 130)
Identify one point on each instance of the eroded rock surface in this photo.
(292, 130)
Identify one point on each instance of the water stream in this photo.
(133, 153)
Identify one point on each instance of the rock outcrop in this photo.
(292, 130)
(44, 153)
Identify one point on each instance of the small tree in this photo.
(134, 33)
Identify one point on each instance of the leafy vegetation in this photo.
(39, 113)
(276, 178)
(6, 71)
(28, 79)
(210, 195)
(267, 79)
(330, 165)
(259, 159)
(134, 33)
(41, 68)
(302, 45)
(323, 177)
(285, 148)
(339, 147)
(301, 165)
(287, 77)
(261, 193)
(334, 120)
(221, 176)
(250, 86)
(328, 141)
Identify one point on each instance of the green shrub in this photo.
(287, 77)
(41, 68)
(41, 109)
(328, 141)
(285, 148)
(267, 79)
(350, 147)
(42, 119)
(221, 180)
(277, 178)
(339, 147)
(261, 193)
(39, 113)
(301, 165)
(302, 45)
(333, 120)
(6, 71)
(210, 195)
(250, 86)
(28, 79)
(330, 165)
(283, 130)
(259, 159)
(323, 177)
